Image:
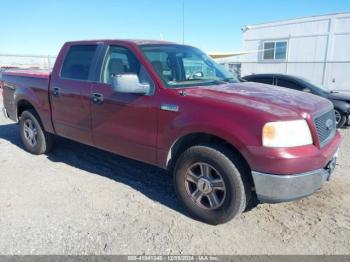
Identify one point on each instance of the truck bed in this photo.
(37, 73)
(21, 83)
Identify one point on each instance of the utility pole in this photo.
(183, 21)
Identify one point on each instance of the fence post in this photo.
(48, 63)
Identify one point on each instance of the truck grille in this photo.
(325, 127)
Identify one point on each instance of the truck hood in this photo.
(278, 101)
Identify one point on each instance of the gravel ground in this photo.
(79, 200)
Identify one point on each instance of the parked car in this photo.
(340, 100)
(133, 98)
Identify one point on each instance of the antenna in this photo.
(183, 21)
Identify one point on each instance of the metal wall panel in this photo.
(318, 49)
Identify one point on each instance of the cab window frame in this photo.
(103, 60)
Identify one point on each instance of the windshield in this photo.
(184, 66)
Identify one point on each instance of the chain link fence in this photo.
(27, 61)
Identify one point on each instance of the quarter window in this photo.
(276, 50)
(77, 62)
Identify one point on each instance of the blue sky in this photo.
(42, 26)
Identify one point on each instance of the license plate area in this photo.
(331, 165)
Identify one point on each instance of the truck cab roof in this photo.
(121, 41)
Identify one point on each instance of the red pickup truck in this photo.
(172, 106)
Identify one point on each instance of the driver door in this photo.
(124, 123)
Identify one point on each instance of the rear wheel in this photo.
(340, 118)
(33, 136)
(212, 183)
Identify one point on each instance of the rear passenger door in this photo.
(70, 93)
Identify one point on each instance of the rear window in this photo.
(77, 62)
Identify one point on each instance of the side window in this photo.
(288, 84)
(275, 50)
(195, 67)
(265, 80)
(161, 62)
(269, 50)
(120, 60)
(77, 62)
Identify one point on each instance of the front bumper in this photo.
(283, 188)
(293, 160)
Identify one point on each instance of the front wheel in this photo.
(340, 118)
(33, 136)
(212, 183)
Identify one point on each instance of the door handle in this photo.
(56, 91)
(97, 98)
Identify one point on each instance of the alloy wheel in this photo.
(30, 132)
(205, 186)
(337, 116)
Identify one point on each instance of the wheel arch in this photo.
(24, 102)
(186, 141)
(23, 105)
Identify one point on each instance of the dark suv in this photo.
(340, 100)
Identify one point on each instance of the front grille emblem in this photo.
(329, 124)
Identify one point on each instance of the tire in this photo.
(34, 137)
(340, 118)
(231, 198)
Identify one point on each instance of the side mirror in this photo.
(130, 83)
(307, 90)
(199, 75)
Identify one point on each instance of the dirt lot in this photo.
(79, 200)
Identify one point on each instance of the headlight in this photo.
(286, 134)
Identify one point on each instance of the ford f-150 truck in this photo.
(172, 106)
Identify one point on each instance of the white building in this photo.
(317, 48)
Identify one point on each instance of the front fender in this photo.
(239, 134)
